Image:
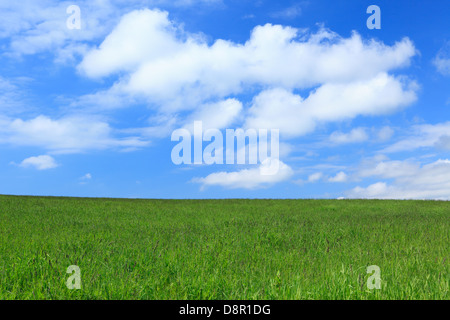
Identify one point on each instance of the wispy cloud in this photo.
(442, 60)
(356, 135)
(288, 13)
(65, 135)
(423, 136)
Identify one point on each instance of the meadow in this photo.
(223, 249)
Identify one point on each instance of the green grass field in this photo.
(223, 249)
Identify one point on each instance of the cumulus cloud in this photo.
(356, 135)
(184, 77)
(262, 59)
(157, 61)
(124, 49)
(247, 178)
(413, 181)
(296, 116)
(43, 162)
(339, 177)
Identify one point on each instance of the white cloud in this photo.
(424, 136)
(177, 73)
(161, 126)
(410, 181)
(13, 99)
(288, 13)
(66, 135)
(385, 133)
(389, 169)
(219, 115)
(443, 142)
(37, 26)
(442, 60)
(87, 176)
(246, 178)
(376, 190)
(339, 177)
(443, 65)
(125, 48)
(356, 135)
(315, 177)
(6, 86)
(43, 162)
(157, 61)
(279, 108)
(360, 134)
(185, 3)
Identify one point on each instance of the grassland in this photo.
(223, 249)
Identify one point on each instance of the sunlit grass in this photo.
(223, 249)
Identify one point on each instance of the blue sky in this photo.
(362, 113)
